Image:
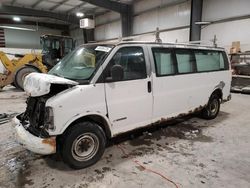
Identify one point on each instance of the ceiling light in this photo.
(202, 23)
(79, 14)
(17, 19)
(17, 28)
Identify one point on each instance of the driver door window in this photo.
(133, 62)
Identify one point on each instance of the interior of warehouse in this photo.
(124, 93)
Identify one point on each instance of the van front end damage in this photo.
(34, 143)
(33, 126)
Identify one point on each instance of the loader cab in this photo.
(54, 48)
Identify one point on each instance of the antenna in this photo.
(157, 36)
(214, 40)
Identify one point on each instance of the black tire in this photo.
(21, 74)
(78, 140)
(212, 109)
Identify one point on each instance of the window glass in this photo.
(185, 61)
(209, 60)
(133, 62)
(68, 45)
(164, 62)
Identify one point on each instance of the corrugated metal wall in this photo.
(148, 14)
(238, 29)
(171, 14)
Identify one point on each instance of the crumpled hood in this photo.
(38, 84)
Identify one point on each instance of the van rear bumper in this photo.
(31, 142)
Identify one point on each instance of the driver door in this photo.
(129, 101)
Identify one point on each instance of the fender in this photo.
(82, 115)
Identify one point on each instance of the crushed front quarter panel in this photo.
(38, 84)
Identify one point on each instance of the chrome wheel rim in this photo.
(85, 147)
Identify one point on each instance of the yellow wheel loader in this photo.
(54, 47)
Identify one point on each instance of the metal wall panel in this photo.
(164, 18)
(220, 9)
(108, 31)
(107, 17)
(26, 39)
(228, 32)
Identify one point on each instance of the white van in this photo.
(101, 90)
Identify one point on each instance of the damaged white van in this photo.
(101, 90)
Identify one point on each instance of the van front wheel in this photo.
(212, 109)
(83, 145)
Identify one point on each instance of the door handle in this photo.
(149, 87)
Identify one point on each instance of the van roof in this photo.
(174, 45)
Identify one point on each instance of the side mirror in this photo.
(117, 73)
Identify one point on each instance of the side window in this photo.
(164, 62)
(185, 61)
(209, 60)
(133, 62)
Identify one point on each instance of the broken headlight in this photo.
(49, 118)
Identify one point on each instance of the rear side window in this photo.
(185, 61)
(209, 60)
(164, 61)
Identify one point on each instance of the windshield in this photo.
(81, 63)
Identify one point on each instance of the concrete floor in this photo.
(192, 153)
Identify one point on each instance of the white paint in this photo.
(128, 105)
(38, 84)
(78, 102)
(31, 142)
(228, 32)
(87, 23)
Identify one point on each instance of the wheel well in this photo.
(94, 118)
(218, 92)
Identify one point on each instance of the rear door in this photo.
(171, 81)
(129, 101)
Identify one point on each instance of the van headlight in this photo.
(49, 118)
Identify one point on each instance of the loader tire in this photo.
(21, 74)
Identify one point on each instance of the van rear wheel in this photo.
(83, 145)
(212, 109)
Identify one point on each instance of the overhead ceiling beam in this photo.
(125, 11)
(11, 10)
(58, 5)
(111, 5)
(76, 7)
(36, 3)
